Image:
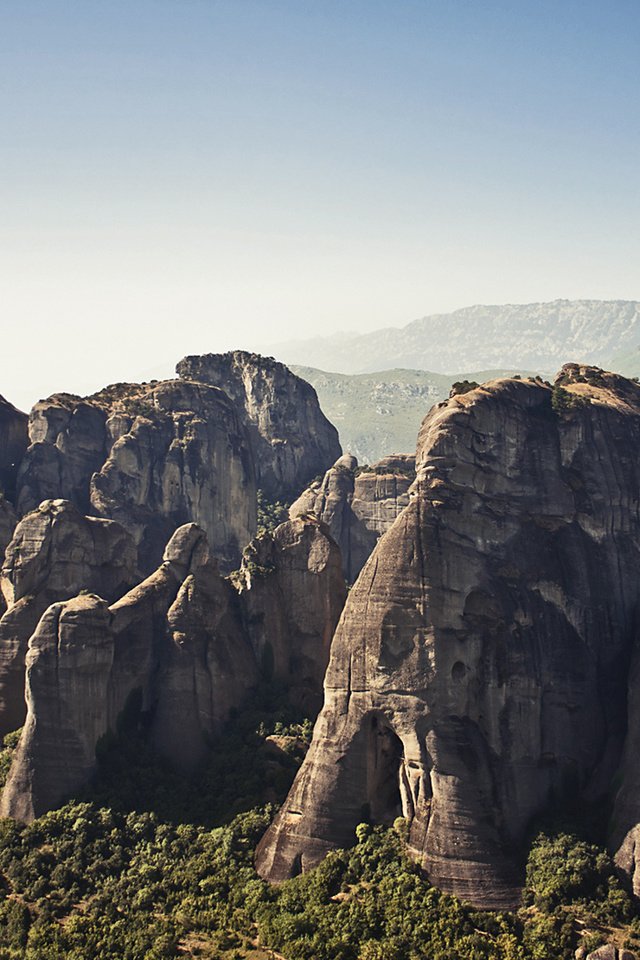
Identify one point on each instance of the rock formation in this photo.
(55, 552)
(8, 522)
(292, 593)
(358, 505)
(184, 458)
(13, 443)
(152, 456)
(184, 646)
(87, 661)
(291, 439)
(478, 675)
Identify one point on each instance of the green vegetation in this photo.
(380, 413)
(9, 745)
(462, 386)
(150, 865)
(270, 515)
(562, 401)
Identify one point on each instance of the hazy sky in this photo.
(183, 176)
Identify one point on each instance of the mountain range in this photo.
(535, 336)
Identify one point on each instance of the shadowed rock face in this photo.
(291, 439)
(55, 552)
(358, 506)
(292, 592)
(14, 439)
(479, 671)
(153, 457)
(88, 660)
(185, 645)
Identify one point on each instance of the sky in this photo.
(189, 176)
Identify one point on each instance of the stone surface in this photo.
(358, 505)
(55, 552)
(167, 648)
(610, 952)
(291, 439)
(208, 664)
(152, 456)
(8, 522)
(292, 593)
(68, 665)
(479, 671)
(13, 444)
(184, 458)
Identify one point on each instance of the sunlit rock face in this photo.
(184, 648)
(358, 505)
(291, 439)
(54, 553)
(151, 456)
(479, 673)
(168, 647)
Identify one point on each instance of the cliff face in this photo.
(152, 456)
(479, 672)
(291, 439)
(55, 552)
(88, 660)
(185, 645)
(358, 506)
(13, 443)
(292, 592)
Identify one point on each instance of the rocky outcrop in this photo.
(184, 458)
(13, 443)
(292, 593)
(291, 439)
(88, 662)
(68, 442)
(184, 647)
(55, 552)
(358, 505)
(208, 664)
(151, 456)
(479, 672)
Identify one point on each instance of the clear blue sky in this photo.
(181, 176)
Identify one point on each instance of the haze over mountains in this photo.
(535, 336)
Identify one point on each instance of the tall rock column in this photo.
(479, 672)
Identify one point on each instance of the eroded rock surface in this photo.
(292, 592)
(358, 505)
(55, 552)
(184, 646)
(152, 456)
(479, 671)
(291, 439)
(87, 662)
(13, 444)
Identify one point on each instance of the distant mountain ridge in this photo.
(534, 336)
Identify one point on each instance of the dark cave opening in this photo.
(384, 758)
